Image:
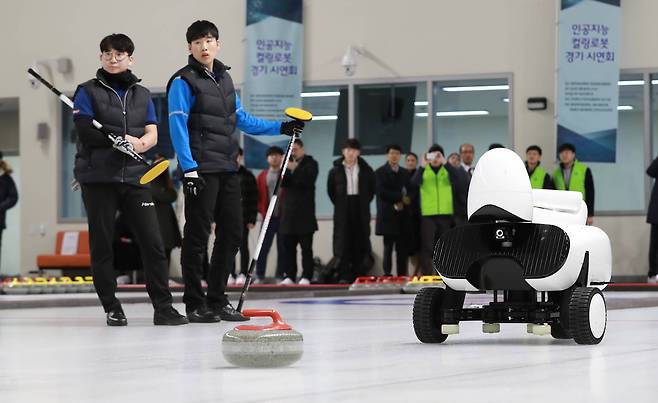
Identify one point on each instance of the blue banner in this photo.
(588, 71)
(274, 55)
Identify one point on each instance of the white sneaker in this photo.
(287, 281)
(304, 281)
(652, 280)
(240, 280)
(231, 280)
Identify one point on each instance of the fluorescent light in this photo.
(625, 108)
(325, 117)
(421, 103)
(477, 88)
(505, 99)
(320, 94)
(630, 82)
(461, 113)
(422, 114)
(654, 81)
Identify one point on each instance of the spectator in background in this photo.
(249, 192)
(652, 218)
(351, 188)
(265, 182)
(298, 222)
(435, 181)
(467, 155)
(460, 184)
(576, 176)
(539, 178)
(164, 195)
(411, 226)
(454, 160)
(392, 186)
(8, 194)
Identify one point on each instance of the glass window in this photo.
(390, 114)
(619, 186)
(328, 128)
(471, 111)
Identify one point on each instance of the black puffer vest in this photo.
(119, 115)
(212, 119)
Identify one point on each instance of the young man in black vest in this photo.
(204, 111)
(109, 179)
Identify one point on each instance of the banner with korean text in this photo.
(274, 51)
(588, 71)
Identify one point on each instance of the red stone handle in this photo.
(277, 321)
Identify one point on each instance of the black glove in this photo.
(193, 185)
(293, 127)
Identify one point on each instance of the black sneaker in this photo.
(203, 315)
(116, 317)
(169, 317)
(228, 313)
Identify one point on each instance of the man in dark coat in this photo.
(249, 193)
(298, 222)
(652, 218)
(351, 188)
(8, 194)
(392, 184)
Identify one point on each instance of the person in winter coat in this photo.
(393, 202)
(249, 193)
(351, 188)
(8, 195)
(652, 218)
(298, 222)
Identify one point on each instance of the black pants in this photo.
(290, 242)
(351, 259)
(401, 255)
(244, 252)
(431, 228)
(220, 202)
(272, 231)
(102, 201)
(653, 251)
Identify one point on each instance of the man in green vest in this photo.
(539, 178)
(576, 176)
(435, 182)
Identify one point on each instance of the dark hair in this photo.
(274, 150)
(201, 29)
(566, 146)
(240, 151)
(436, 147)
(299, 142)
(495, 145)
(414, 155)
(393, 147)
(118, 42)
(533, 148)
(352, 143)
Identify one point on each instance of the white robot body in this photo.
(500, 180)
(500, 192)
(531, 246)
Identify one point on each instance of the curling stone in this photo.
(273, 345)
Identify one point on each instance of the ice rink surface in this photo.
(360, 349)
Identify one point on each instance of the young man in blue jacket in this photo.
(204, 111)
(109, 179)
